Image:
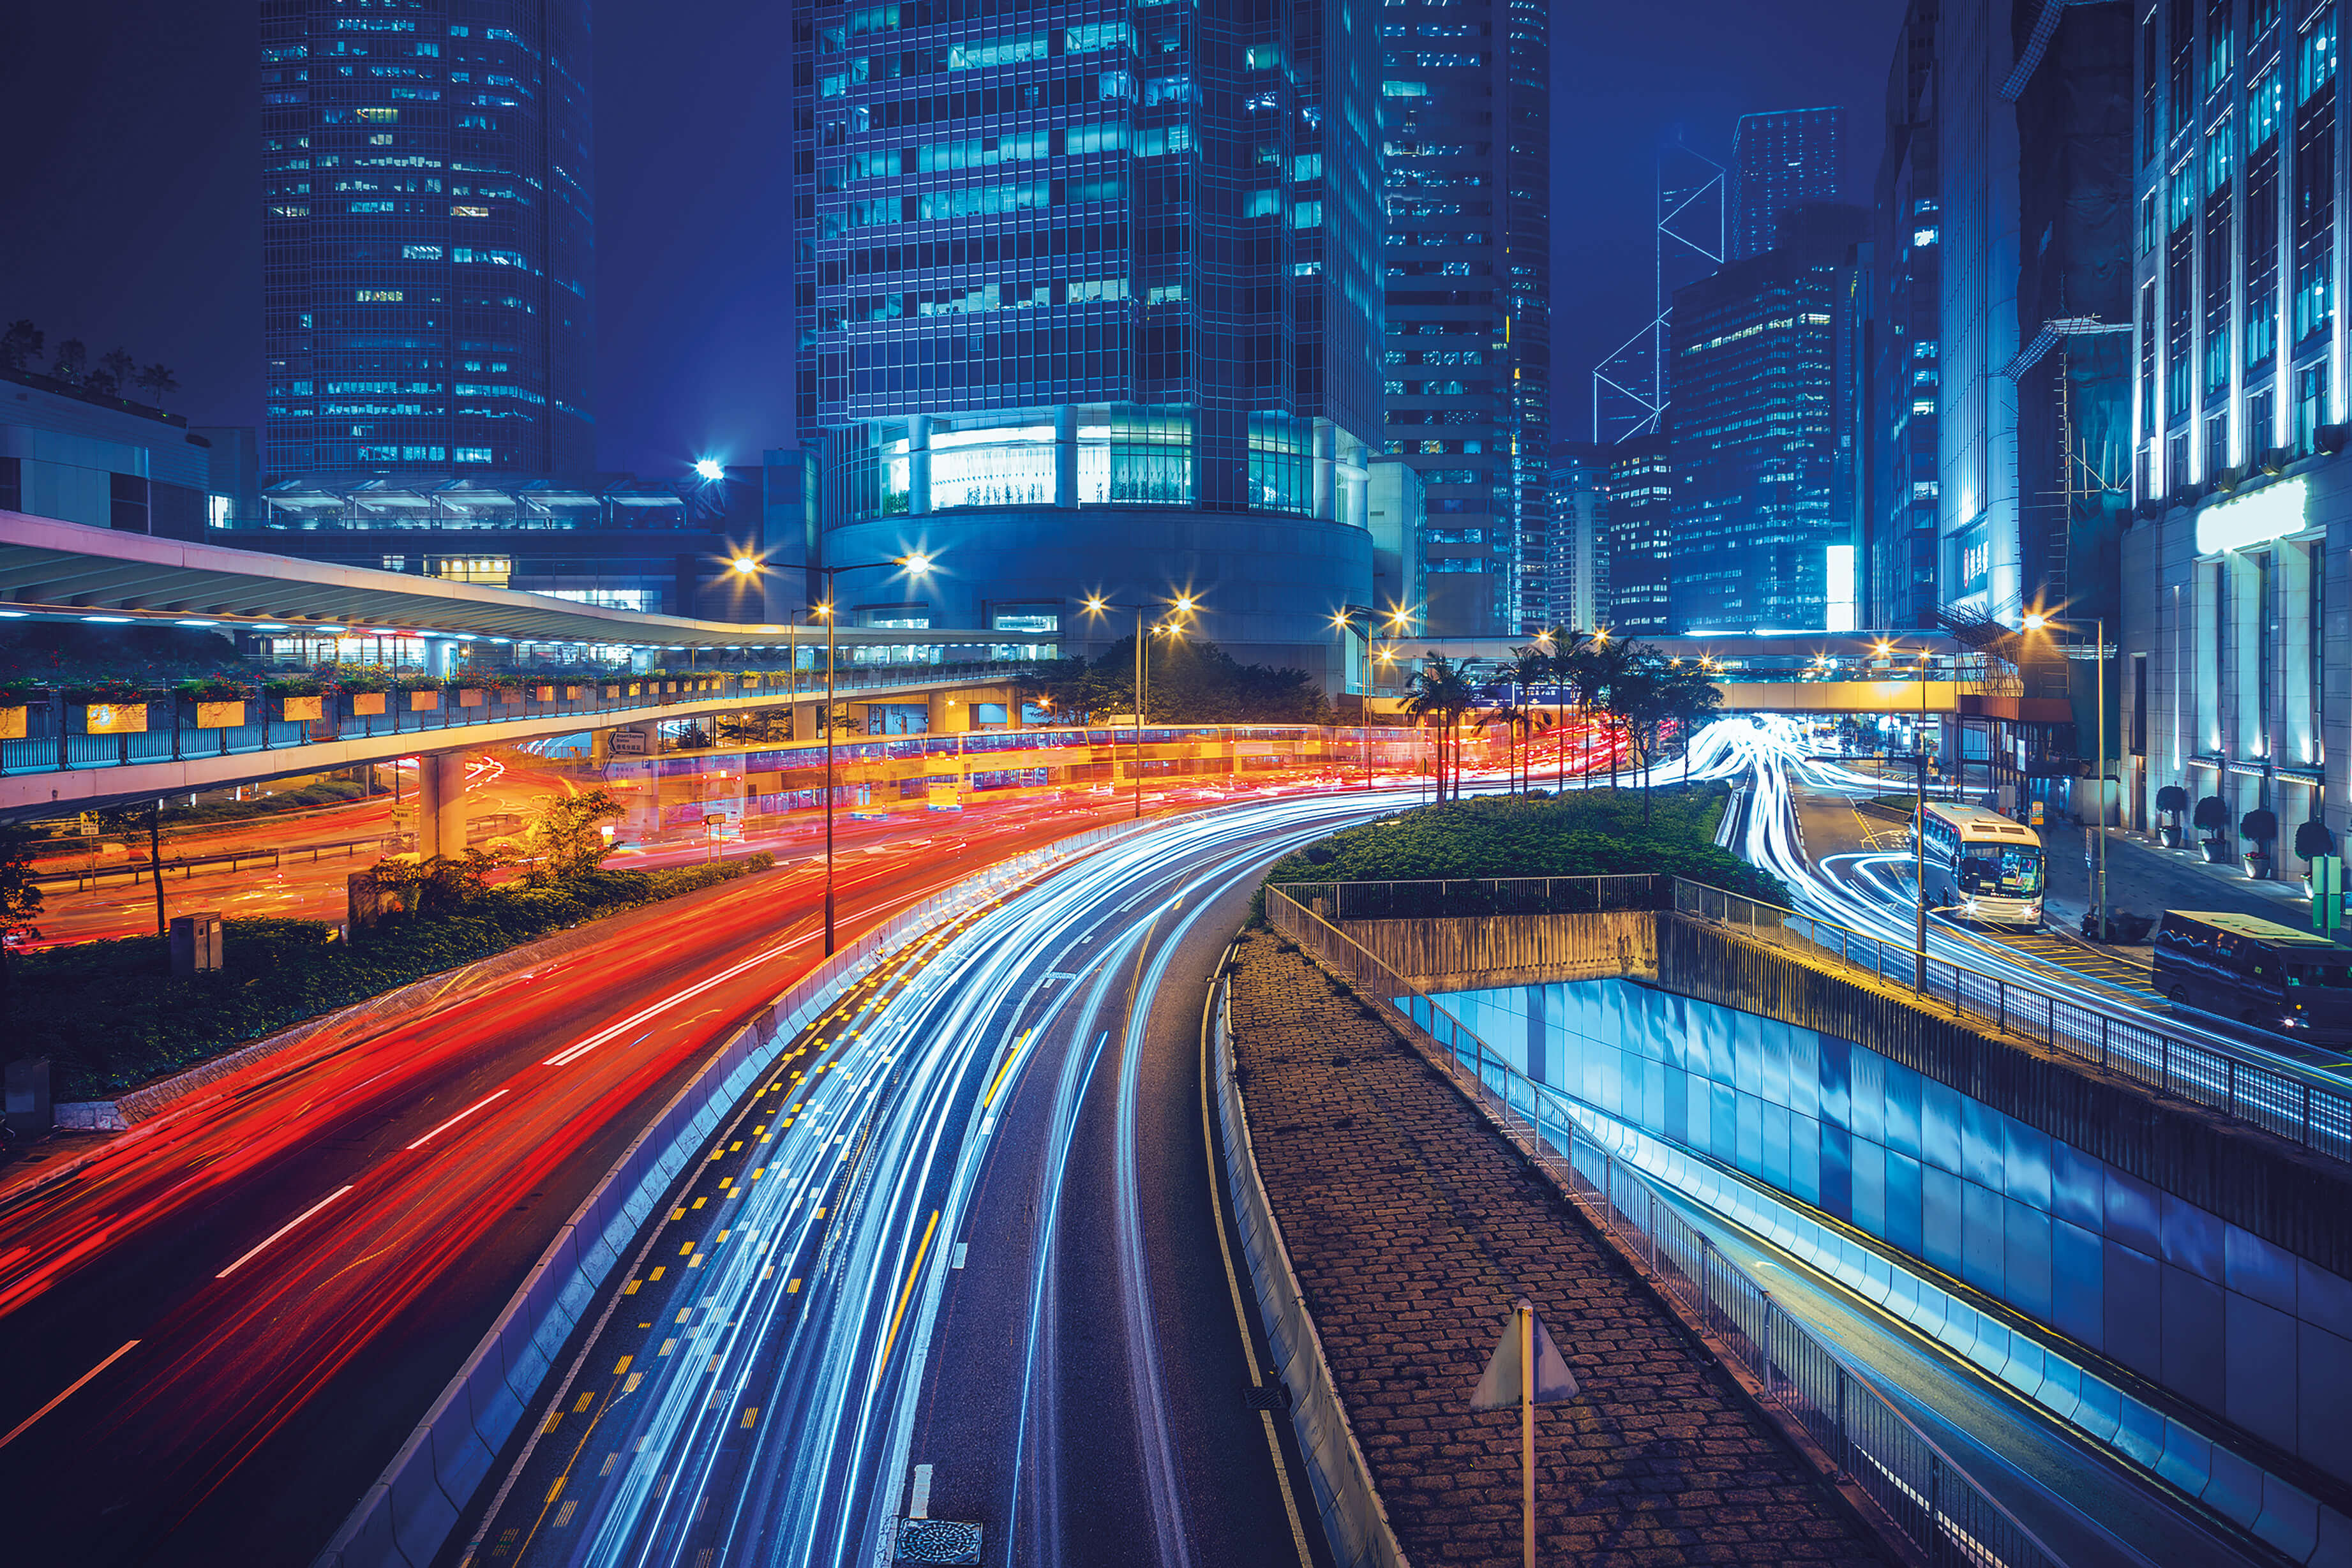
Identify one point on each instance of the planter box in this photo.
(2257, 866)
(544, 693)
(424, 702)
(2171, 837)
(611, 693)
(469, 698)
(366, 703)
(13, 721)
(571, 693)
(298, 710)
(220, 716)
(115, 718)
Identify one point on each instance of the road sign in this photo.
(1499, 1389)
(628, 743)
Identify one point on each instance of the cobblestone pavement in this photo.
(1414, 1227)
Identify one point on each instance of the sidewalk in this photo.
(1412, 1225)
(2148, 879)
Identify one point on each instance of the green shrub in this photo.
(109, 1017)
(1583, 833)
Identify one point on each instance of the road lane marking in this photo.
(961, 1249)
(72, 1389)
(455, 1119)
(919, 1501)
(282, 1230)
(914, 1271)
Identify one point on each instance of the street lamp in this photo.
(1343, 622)
(710, 469)
(913, 566)
(1183, 604)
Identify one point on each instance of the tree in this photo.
(567, 831)
(1440, 689)
(68, 362)
(1590, 669)
(1073, 690)
(20, 342)
(1530, 667)
(20, 898)
(1652, 695)
(115, 369)
(157, 382)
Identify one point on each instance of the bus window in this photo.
(2007, 868)
(2335, 977)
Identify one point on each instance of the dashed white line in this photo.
(455, 1120)
(282, 1230)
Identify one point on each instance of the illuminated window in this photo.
(482, 570)
(379, 296)
(462, 212)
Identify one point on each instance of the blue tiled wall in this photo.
(2202, 1307)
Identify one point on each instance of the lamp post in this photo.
(2037, 622)
(914, 566)
(1344, 621)
(1181, 605)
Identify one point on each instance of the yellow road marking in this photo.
(914, 1271)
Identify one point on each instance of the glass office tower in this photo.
(1778, 160)
(1087, 303)
(428, 240)
(1467, 155)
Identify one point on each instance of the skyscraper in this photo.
(1469, 336)
(1088, 303)
(1637, 537)
(1906, 240)
(1758, 502)
(1778, 160)
(428, 239)
(1574, 585)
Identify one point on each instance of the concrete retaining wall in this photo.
(1355, 1521)
(1513, 949)
(405, 1517)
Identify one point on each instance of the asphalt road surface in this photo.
(956, 1258)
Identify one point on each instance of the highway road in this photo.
(957, 1258)
(225, 1325)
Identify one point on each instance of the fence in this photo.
(1944, 1514)
(1354, 1521)
(2303, 1107)
(168, 731)
(231, 860)
(2269, 1094)
(405, 1517)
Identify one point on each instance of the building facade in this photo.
(1780, 160)
(2236, 651)
(1088, 303)
(1466, 153)
(1899, 535)
(1574, 584)
(80, 456)
(1636, 548)
(1761, 510)
(428, 240)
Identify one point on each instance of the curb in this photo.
(1355, 1519)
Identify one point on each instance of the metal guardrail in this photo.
(1940, 1510)
(2304, 1108)
(51, 744)
(185, 866)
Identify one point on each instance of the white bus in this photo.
(1981, 866)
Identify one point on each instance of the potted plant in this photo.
(2211, 818)
(2312, 839)
(2172, 799)
(2259, 826)
(424, 692)
(219, 702)
(111, 708)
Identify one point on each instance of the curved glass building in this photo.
(1088, 303)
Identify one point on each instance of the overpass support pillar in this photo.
(441, 804)
(806, 718)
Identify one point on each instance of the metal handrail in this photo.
(2281, 1098)
(1930, 1497)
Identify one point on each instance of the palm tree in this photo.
(19, 343)
(1591, 670)
(1439, 688)
(1562, 644)
(1529, 668)
(114, 369)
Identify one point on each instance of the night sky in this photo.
(130, 188)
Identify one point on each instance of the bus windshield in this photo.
(2012, 870)
(2335, 977)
